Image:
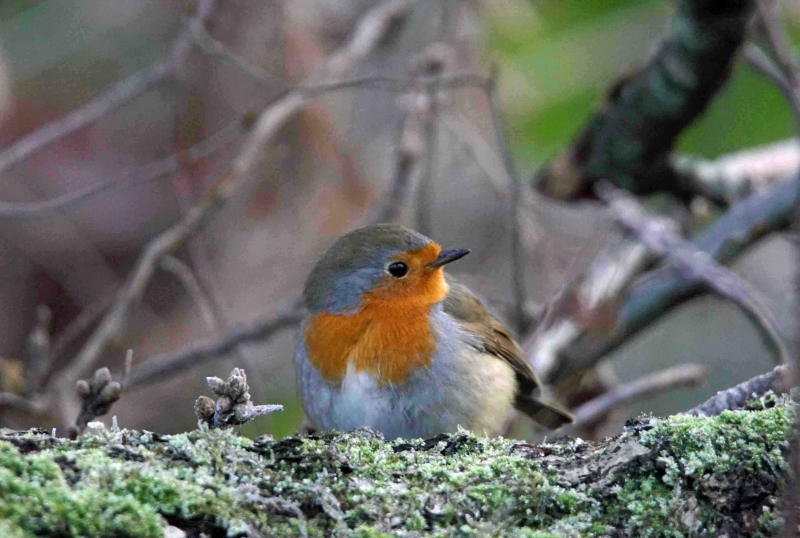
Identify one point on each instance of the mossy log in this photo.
(679, 476)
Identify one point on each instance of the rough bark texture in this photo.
(680, 476)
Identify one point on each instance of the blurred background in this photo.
(162, 146)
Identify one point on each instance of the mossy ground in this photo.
(681, 476)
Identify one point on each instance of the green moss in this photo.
(126, 483)
(674, 493)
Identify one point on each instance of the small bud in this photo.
(99, 379)
(237, 387)
(111, 392)
(216, 385)
(241, 412)
(83, 388)
(204, 408)
(224, 405)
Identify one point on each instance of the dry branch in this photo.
(523, 320)
(652, 294)
(117, 96)
(186, 277)
(697, 265)
(158, 367)
(213, 47)
(685, 375)
(138, 176)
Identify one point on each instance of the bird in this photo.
(392, 343)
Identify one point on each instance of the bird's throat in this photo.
(389, 341)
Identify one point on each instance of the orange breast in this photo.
(387, 343)
(390, 336)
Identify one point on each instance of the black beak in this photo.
(447, 256)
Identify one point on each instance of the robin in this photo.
(393, 344)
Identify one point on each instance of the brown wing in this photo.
(464, 306)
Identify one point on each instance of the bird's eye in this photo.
(397, 269)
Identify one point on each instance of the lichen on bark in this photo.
(679, 476)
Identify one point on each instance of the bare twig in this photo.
(101, 105)
(408, 146)
(399, 85)
(425, 187)
(366, 37)
(650, 296)
(31, 406)
(78, 326)
(593, 296)
(158, 367)
(111, 324)
(778, 41)
(683, 255)
(204, 148)
(143, 174)
(433, 61)
(213, 47)
(735, 397)
(481, 151)
(523, 320)
(685, 375)
(184, 274)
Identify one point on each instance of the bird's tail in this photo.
(547, 414)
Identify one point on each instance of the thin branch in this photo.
(158, 367)
(399, 85)
(481, 151)
(763, 64)
(424, 200)
(215, 48)
(31, 406)
(588, 292)
(778, 41)
(735, 397)
(144, 174)
(169, 165)
(685, 375)
(408, 146)
(184, 274)
(87, 317)
(517, 266)
(433, 61)
(698, 265)
(662, 288)
(112, 99)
